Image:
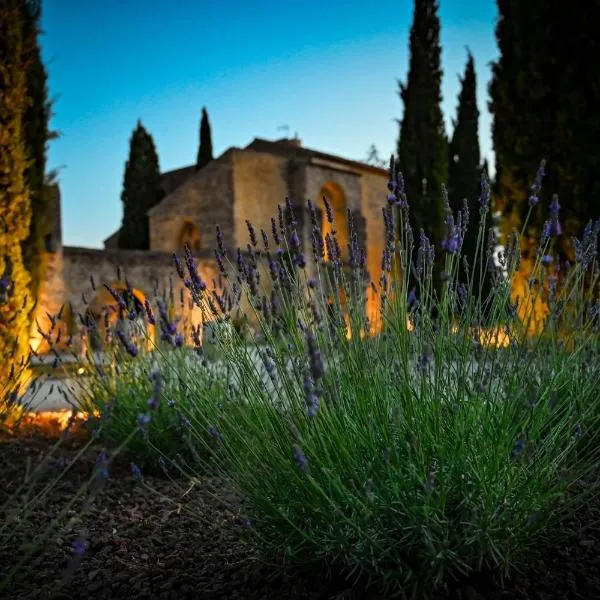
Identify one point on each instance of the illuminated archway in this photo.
(106, 314)
(189, 235)
(337, 201)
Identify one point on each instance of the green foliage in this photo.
(36, 134)
(15, 208)
(205, 150)
(544, 101)
(418, 455)
(119, 390)
(422, 145)
(141, 190)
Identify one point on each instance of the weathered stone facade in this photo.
(240, 185)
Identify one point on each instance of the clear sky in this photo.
(327, 69)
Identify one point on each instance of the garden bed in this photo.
(141, 545)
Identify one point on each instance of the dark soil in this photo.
(141, 545)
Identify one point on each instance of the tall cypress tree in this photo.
(36, 135)
(422, 145)
(544, 101)
(15, 209)
(464, 171)
(141, 190)
(205, 150)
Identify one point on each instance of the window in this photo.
(190, 236)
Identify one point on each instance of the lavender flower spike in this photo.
(537, 184)
(554, 228)
(300, 458)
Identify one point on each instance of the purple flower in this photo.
(149, 312)
(294, 241)
(79, 547)
(518, 448)
(220, 245)
(214, 432)
(197, 284)
(451, 243)
(547, 260)
(328, 210)
(4, 283)
(316, 363)
(484, 198)
(553, 227)
(143, 420)
(129, 346)
(136, 472)
(251, 233)
(537, 184)
(313, 405)
(178, 266)
(400, 192)
(300, 458)
(425, 358)
(265, 239)
(411, 299)
(276, 237)
(157, 390)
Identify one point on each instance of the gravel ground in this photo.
(143, 546)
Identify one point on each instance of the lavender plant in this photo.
(425, 451)
(162, 391)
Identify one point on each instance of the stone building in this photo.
(241, 184)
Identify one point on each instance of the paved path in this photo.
(49, 394)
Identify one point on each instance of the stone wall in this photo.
(150, 273)
(205, 200)
(318, 175)
(260, 184)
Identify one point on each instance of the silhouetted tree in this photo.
(464, 173)
(422, 145)
(205, 150)
(544, 101)
(141, 190)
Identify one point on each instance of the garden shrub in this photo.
(420, 453)
(175, 384)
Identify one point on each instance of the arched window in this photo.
(337, 201)
(190, 236)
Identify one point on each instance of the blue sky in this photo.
(328, 70)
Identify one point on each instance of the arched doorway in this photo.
(107, 314)
(336, 198)
(189, 235)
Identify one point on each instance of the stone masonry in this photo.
(241, 184)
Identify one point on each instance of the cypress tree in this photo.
(544, 101)
(141, 190)
(205, 150)
(464, 173)
(422, 144)
(15, 209)
(36, 135)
